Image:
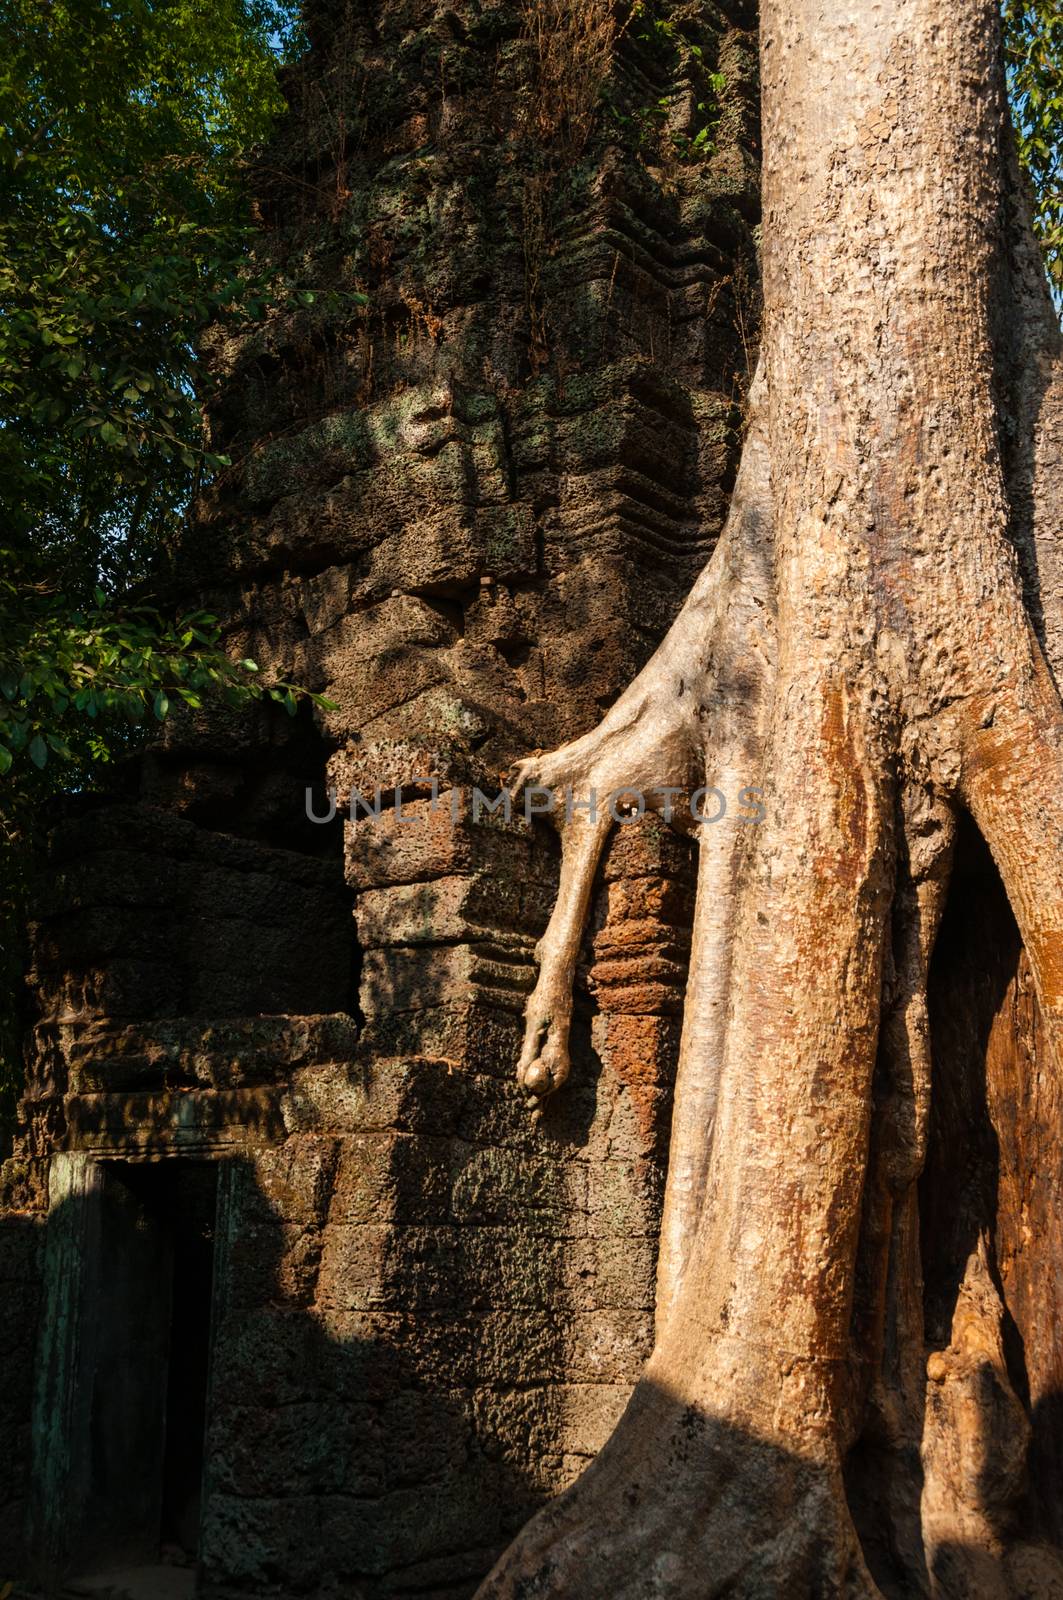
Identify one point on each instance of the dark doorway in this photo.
(141, 1368)
(183, 1197)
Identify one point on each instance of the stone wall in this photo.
(20, 1238)
(433, 1309)
(473, 477)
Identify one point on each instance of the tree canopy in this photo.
(124, 232)
(1033, 35)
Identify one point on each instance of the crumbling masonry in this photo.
(273, 1178)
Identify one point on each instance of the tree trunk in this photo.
(863, 647)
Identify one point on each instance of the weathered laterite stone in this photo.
(280, 1054)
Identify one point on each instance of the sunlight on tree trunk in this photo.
(864, 646)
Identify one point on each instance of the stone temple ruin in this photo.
(293, 1294)
(290, 1286)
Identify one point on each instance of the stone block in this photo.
(291, 1183)
(507, 1187)
(377, 1092)
(623, 1198)
(495, 971)
(409, 1526)
(483, 908)
(440, 839)
(309, 1447)
(247, 1544)
(270, 1262)
(192, 1121)
(393, 1177)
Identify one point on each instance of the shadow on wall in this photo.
(216, 1394)
(422, 1314)
(997, 1108)
(322, 1459)
(417, 1332)
(353, 1446)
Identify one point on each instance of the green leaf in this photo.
(127, 233)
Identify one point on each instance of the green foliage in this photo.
(1033, 40)
(702, 143)
(67, 678)
(664, 38)
(124, 232)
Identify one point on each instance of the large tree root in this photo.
(726, 1465)
(689, 1503)
(696, 713)
(725, 1473)
(862, 647)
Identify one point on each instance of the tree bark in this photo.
(867, 645)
